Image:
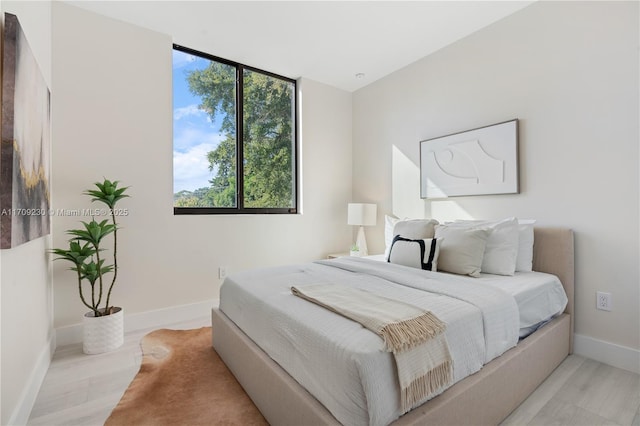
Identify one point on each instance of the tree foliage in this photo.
(267, 145)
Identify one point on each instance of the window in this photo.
(234, 137)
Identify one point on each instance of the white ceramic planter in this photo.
(102, 334)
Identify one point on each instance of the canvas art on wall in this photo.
(475, 162)
(26, 134)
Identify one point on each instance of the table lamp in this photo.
(361, 215)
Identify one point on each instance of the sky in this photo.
(194, 134)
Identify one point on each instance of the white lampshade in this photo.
(362, 214)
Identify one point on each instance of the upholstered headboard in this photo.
(553, 253)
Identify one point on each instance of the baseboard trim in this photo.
(21, 414)
(142, 320)
(608, 353)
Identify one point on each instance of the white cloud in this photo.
(187, 111)
(190, 165)
(193, 139)
(186, 138)
(191, 168)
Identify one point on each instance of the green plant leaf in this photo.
(107, 193)
(76, 253)
(91, 271)
(94, 232)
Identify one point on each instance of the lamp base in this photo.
(361, 242)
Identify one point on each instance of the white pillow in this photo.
(462, 249)
(389, 223)
(415, 229)
(421, 254)
(524, 261)
(501, 251)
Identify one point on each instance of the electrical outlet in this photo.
(222, 272)
(603, 301)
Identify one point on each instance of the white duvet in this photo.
(341, 363)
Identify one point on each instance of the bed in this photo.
(485, 397)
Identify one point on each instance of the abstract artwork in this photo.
(474, 162)
(26, 134)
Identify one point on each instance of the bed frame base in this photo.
(280, 399)
(485, 398)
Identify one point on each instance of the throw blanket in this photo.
(414, 336)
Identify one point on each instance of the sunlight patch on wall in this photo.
(405, 193)
(405, 186)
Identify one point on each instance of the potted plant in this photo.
(103, 327)
(355, 250)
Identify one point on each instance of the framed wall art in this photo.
(26, 134)
(474, 162)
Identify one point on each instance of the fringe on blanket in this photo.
(426, 385)
(407, 334)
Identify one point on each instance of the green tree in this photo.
(268, 136)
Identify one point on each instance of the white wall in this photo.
(113, 117)
(569, 72)
(26, 318)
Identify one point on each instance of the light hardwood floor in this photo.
(83, 389)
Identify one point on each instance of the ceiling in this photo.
(326, 41)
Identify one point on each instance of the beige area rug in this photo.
(183, 381)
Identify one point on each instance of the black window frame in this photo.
(240, 208)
